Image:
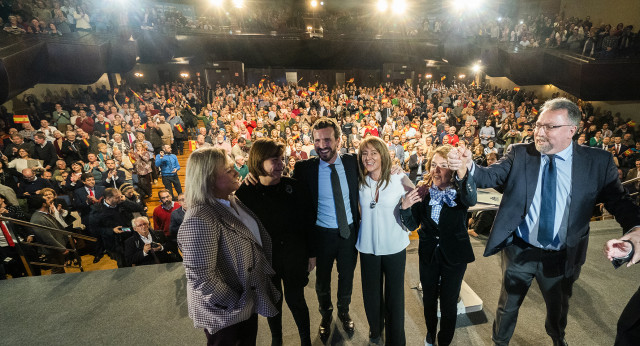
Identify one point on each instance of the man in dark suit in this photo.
(336, 219)
(86, 196)
(416, 165)
(113, 177)
(45, 151)
(539, 238)
(73, 149)
(618, 148)
(147, 246)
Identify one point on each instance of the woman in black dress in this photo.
(285, 211)
(440, 208)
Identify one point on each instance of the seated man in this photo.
(147, 246)
(107, 220)
(42, 217)
(162, 213)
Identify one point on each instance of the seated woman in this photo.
(273, 199)
(444, 249)
(226, 254)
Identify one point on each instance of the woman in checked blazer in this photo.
(227, 254)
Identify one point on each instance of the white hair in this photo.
(138, 219)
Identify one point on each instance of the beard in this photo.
(543, 145)
(326, 154)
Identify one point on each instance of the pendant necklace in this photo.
(374, 200)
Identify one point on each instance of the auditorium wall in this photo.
(608, 12)
(41, 90)
(626, 109)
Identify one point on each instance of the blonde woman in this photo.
(382, 241)
(226, 252)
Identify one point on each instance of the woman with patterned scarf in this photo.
(440, 208)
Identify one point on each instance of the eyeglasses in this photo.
(548, 127)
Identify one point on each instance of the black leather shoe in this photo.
(560, 342)
(347, 322)
(375, 339)
(97, 259)
(325, 326)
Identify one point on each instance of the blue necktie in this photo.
(548, 203)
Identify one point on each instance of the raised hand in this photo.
(412, 197)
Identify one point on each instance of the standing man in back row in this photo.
(542, 225)
(169, 167)
(332, 180)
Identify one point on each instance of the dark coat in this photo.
(451, 231)
(47, 154)
(594, 179)
(306, 172)
(285, 211)
(134, 245)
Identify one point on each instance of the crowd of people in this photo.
(580, 35)
(98, 151)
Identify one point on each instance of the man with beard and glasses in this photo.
(541, 239)
(162, 213)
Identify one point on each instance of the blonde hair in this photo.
(385, 160)
(202, 168)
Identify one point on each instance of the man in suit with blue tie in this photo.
(542, 226)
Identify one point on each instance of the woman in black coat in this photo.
(285, 211)
(444, 249)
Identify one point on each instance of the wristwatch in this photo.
(619, 261)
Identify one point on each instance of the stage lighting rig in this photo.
(138, 75)
(314, 3)
(382, 5)
(476, 68)
(184, 75)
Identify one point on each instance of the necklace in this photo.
(374, 199)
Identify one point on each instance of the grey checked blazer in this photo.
(228, 272)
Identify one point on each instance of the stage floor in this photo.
(147, 306)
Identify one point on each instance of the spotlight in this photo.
(428, 76)
(184, 75)
(462, 76)
(521, 21)
(499, 19)
(399, 6)
(459, 4)
(476, 68)
(238, 3)
(314, 3)
(321, 3)
(382, 5)
(309, 28)
(216, 3)
(138, 75)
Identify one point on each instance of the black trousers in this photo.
(440, 280)
(333, 248)
(144, 182)
(629, 323)
(170, 180)
(294, 294)
(383, 294)
(240, 334)
(521, 263)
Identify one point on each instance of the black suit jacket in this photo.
(413, 166)
(135, 256)
(451, 231)
(80, 199)
(121, 178)
(306, 172)
(594, 179)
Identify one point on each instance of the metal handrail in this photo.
(70, 236)
(626, 182)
